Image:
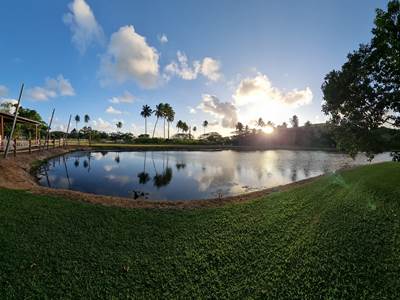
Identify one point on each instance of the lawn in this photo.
(337, 237)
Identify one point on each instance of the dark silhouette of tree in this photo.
(205, 124)
(294, 121)
(239, 127)
(77, 120)
(307, 124)
(159, 113)
(145, 113)
(169, 115)
(260, 123)
(364, 94)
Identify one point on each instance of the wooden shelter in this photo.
(7, 117)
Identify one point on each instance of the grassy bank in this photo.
(338, 237)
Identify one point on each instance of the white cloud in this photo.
(209, 68)
(163, 38)
(113, 111)
(8, 108)
(3, 90)
(102, 125)
(191, 110)
(124, 98)
(259, 89)
(129, 57)
(226, 111)
(52, 88)
(82, 22)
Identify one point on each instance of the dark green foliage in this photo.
(335, 238)
(364, 94)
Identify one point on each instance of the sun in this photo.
(269, 129)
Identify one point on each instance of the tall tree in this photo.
(169, 115)
(205, 124)
(364, 94)
(260, 123)
(179, 125)
(159, 113)
(294, 121)
(239, 127)
(77, 120)
(86, 119)
(119, 124)
(145, 113)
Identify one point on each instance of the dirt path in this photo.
(15, 173)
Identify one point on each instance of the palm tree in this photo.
(169, 116)
(119, 125)
(260, 123)
(86, 119)
(194, 130)
(77, 120)
(159, 112)
(205, 124)
(179, 125)
(239, 127)
(145, 113)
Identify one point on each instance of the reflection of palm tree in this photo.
(181, 165)
(85, 164)
(160, 180)
(143, 176)
(117, 159)
(76, 163)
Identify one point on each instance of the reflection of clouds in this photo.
(109, 168)
(121, 179)
(97, 155)
(207, 173)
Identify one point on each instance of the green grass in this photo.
(338, 237)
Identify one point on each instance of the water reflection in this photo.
(142, 175)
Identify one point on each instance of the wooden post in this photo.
(66, 133)
(15, 147)
(30, 146)
(14, 122)
(48, 129)
(1, 128)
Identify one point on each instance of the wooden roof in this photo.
(8, 116)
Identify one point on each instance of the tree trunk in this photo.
(168, 130)
(145, 126)
(154, 130)
(164, 128)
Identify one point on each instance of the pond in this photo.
(187, 175)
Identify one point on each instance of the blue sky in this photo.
(221, 61)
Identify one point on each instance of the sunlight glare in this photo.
(269, 130)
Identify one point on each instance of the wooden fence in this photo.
(28, 146)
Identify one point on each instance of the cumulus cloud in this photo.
(126, 97)
(225, 111)
(102, 125)
(191, 110)
(84, 27)
(113, 111)
(3, 90)
(208, 67)
(129, 57)
(53, 87)
(260, 88)
(8, 105)
(163, 38)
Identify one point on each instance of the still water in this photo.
(187, 175)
